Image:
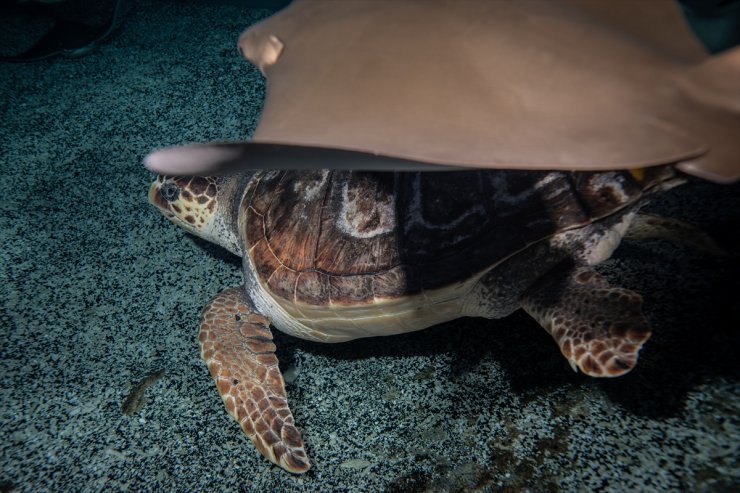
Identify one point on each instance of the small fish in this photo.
(135, 399)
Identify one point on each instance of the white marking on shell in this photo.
(363, 221)
(310, 190)
(271, 174)
(545, 181)
(612, 182)
(416, 215)
(509, 202)
(500, 182)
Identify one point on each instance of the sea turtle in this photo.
(332, 256)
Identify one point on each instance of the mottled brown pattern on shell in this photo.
(237, 346)
(309, 246)
(313, 285)
(385, 284)
(289, 225)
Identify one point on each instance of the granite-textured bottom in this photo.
(99, 291)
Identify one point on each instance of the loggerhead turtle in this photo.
(332, 256)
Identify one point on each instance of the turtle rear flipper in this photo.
(650, 226)
(599, 328)
(236, 344)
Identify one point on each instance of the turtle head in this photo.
(198, 204)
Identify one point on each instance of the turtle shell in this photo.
(342, 237)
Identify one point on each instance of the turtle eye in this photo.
(169, 192)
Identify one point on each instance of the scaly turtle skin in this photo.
(332, 256)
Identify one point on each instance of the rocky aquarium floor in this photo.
(98, 292)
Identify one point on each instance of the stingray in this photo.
(433, 84)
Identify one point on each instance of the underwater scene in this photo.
(536, 287)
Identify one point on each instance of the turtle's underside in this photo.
(332, 256)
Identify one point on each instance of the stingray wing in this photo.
(567, 84)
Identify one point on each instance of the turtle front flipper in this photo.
(599, 328)
(236, 344)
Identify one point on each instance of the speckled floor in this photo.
(98, 291)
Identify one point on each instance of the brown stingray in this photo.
(528, 84)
